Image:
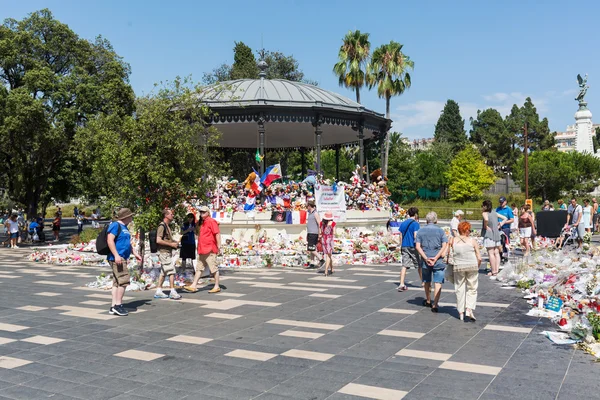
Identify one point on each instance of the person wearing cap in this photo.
(410, 256)
(209, 246)
(166, 245)
(455, 221)
(327, 231)
(313, 222)
(504, 211)
(121, 246)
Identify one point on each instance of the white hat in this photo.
(459, 212)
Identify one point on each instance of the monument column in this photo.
(583, 120)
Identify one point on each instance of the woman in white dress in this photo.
(587, 215)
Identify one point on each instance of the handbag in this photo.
(449, 272)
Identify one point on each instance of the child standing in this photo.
(327, 230)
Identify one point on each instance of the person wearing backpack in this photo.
(119, 242)
(166, 245)
(410, 257)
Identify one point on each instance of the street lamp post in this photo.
(526, 163)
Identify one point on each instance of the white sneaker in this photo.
(174, 295)
(16, 247)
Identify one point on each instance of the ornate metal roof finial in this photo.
(262, 65)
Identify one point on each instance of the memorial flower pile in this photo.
(563, 285)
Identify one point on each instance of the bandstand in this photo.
(280, 114)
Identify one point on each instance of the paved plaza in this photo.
(275, 334)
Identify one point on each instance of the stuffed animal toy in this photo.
(381, 181)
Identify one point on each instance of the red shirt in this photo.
(207, 241)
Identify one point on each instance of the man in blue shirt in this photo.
(432, 244)
(410, 257)
(121, 246)
(504, 210)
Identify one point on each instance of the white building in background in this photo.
(420, 144)
(567, 141)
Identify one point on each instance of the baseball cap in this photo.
(204, 209)
(459, 212)
(502, 199)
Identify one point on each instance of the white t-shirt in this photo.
(13, 226)
(454, 225)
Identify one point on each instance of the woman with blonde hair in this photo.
(466, 270)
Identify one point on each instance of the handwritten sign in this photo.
(554, 304)
(328, 200)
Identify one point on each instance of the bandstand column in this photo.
(318, 138)
(384, 150)
(261, 142)
(361, 148)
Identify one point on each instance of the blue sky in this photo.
(480, 53)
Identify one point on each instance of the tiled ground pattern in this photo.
(276, 334)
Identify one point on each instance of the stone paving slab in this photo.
(282, 334)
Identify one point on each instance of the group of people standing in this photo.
(456, 257)
(121, 247)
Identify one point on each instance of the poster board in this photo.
(329, 200)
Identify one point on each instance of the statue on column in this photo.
(583, 87)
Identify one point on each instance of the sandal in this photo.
(189, 289)
(402, 288)
(427, 303)
(434, 309)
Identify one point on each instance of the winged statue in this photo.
(583, 87)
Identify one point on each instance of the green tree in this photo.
(450, 127)
(155, 159)
(346, 164)
(401, 180)
(220, 74)
(431, 166)
(539, 136)
(388, 71)
(280, 66)
(468, 176)
(493, 140)
(553, 173)
(53, 83)
(244, 64)
(352, 61)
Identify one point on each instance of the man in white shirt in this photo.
(455, 221)
(574, 217)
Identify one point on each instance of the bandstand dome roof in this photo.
(289, 111)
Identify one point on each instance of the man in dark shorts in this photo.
(313, 221)
(121, 247)
(410, 257)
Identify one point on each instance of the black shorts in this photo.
(55, 228)
(312, 239)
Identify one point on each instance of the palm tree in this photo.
(388, 70)
(353, 55)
